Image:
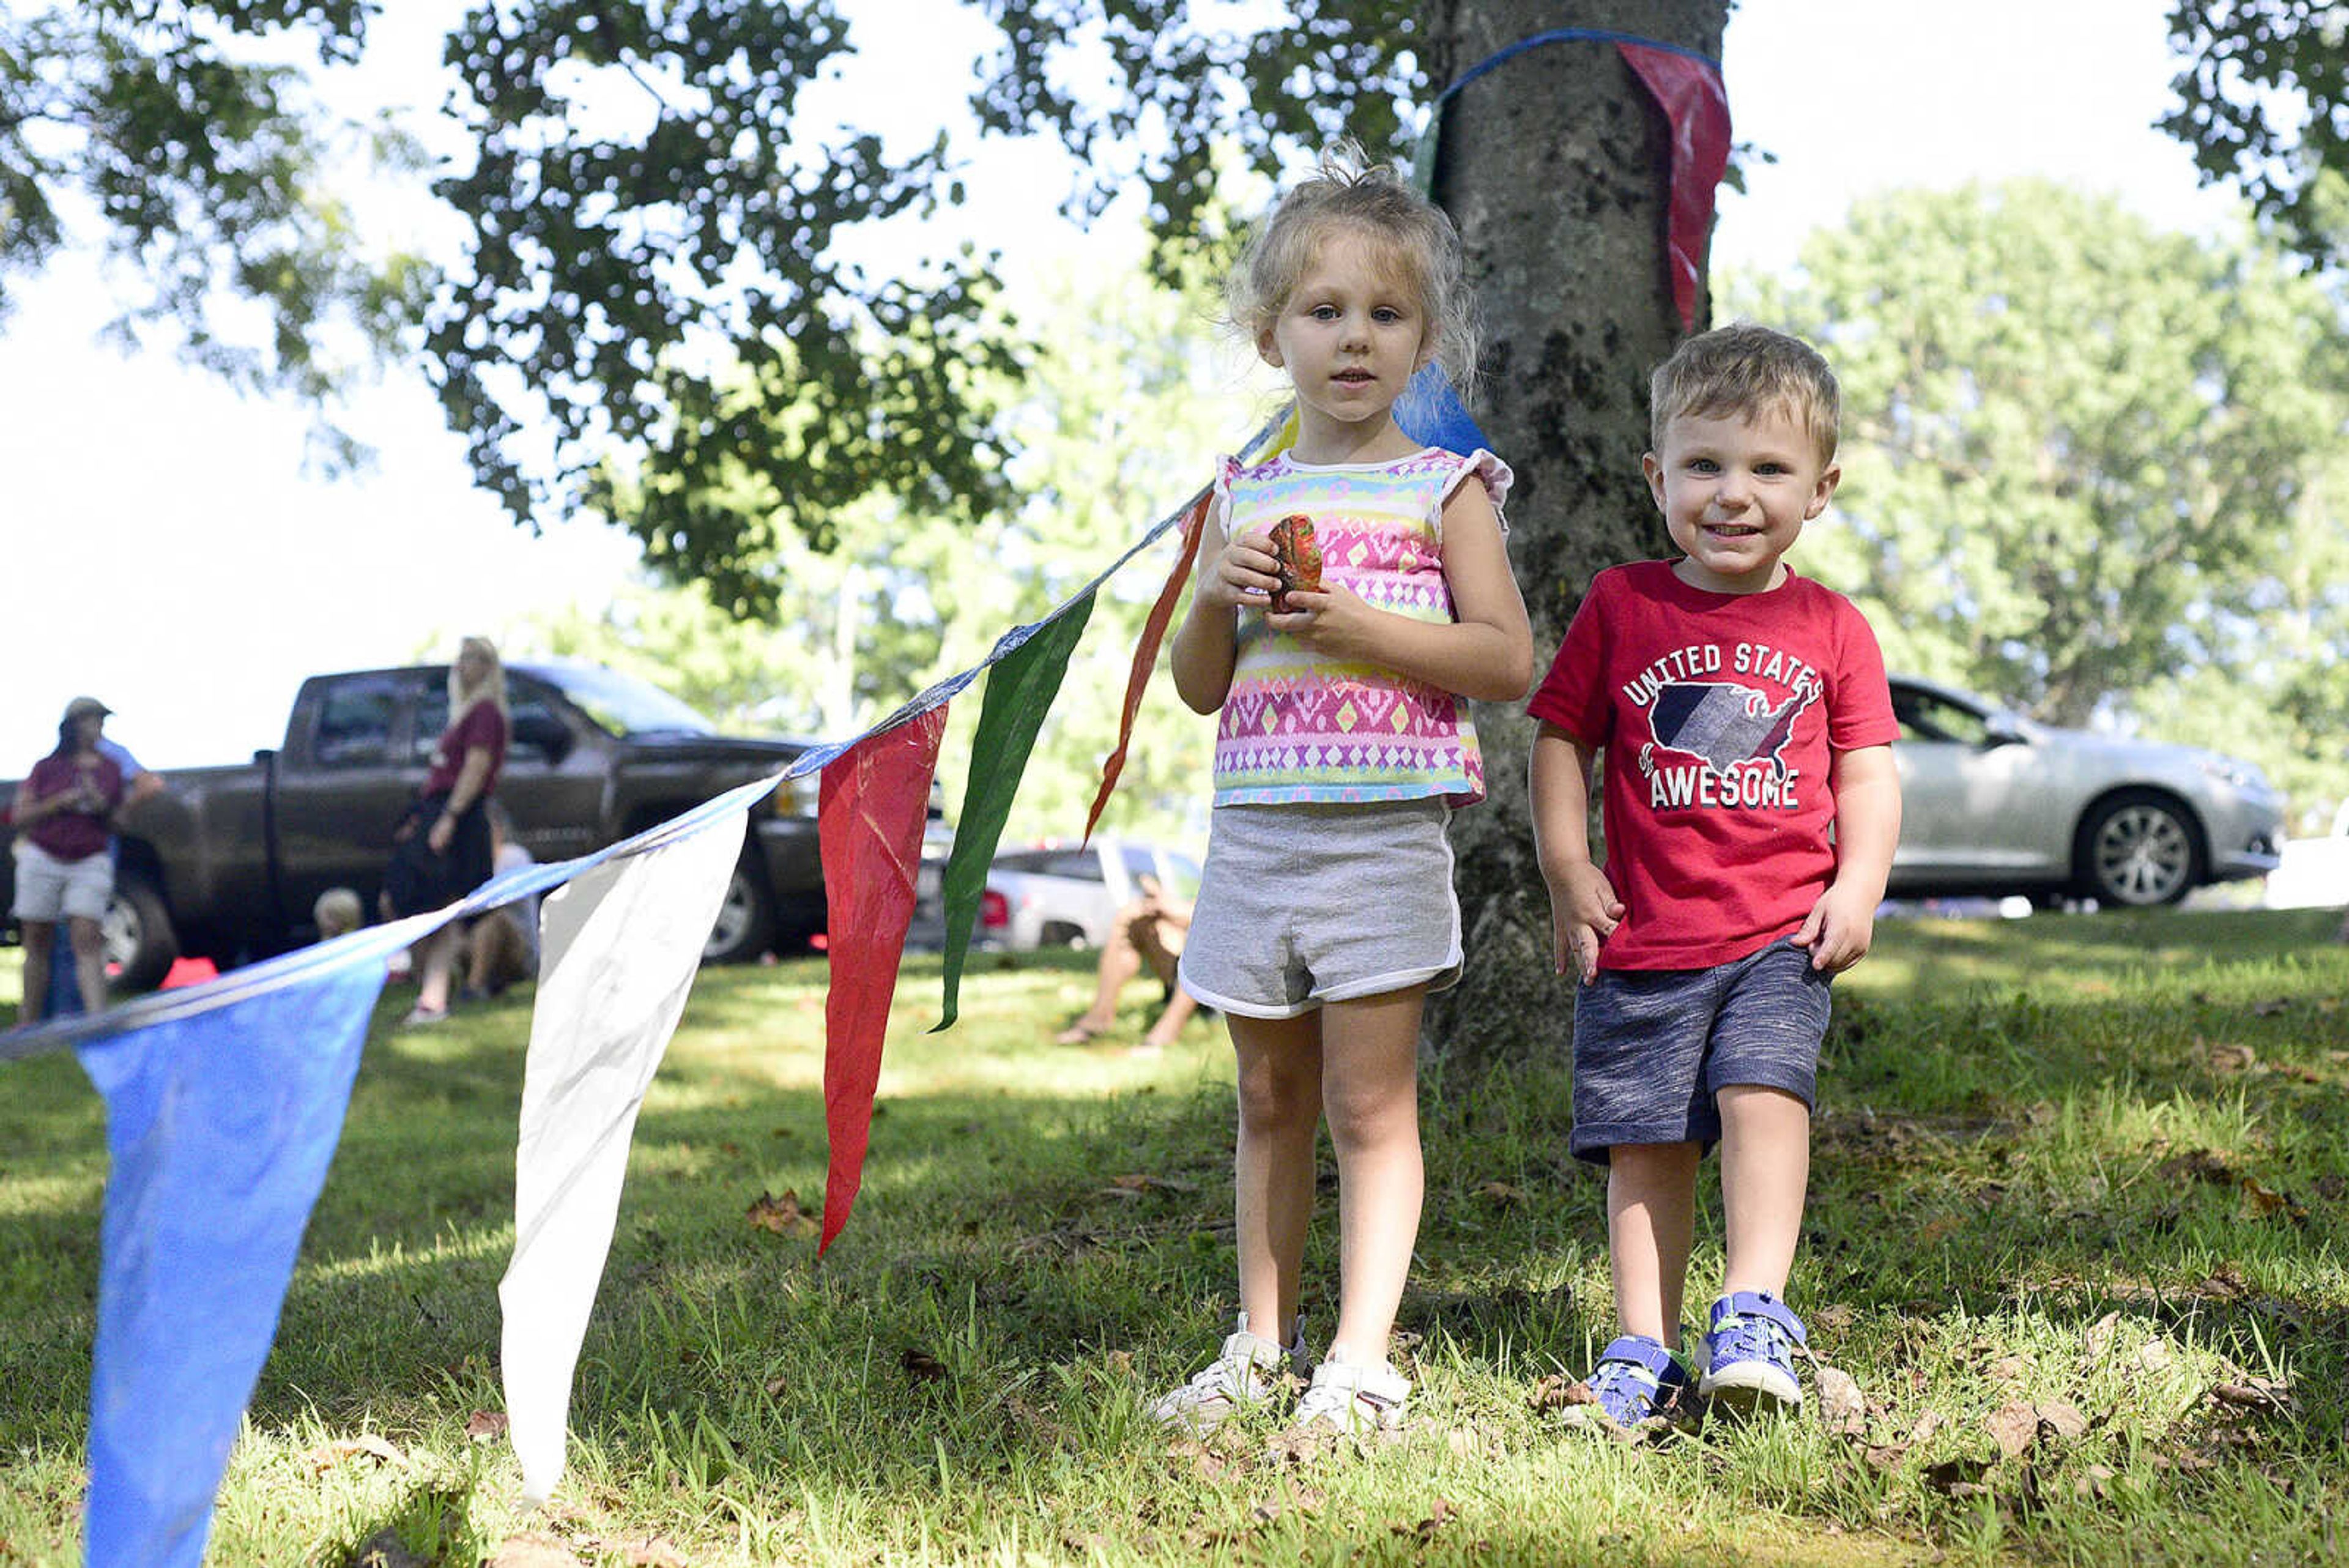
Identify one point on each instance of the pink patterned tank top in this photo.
(1299, 726)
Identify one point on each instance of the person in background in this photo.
(501, 949)
(64, 816)
(1148, 930)
(441, 849)
(337, 913)
(138, 784)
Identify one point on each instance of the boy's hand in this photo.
(1583, 913)
(1839, 930)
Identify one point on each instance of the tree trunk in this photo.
(1556, 166)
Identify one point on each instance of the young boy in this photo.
(1751, 810)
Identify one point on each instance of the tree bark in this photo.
(1556, 166)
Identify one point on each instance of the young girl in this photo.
(1326, 913)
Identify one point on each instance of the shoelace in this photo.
(1751, 1337)
(1618, 1382)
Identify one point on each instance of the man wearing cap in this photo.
(64, 816)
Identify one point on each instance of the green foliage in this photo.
(203, 172)
(2083, 477)
(1114, 424)
(2074, 1237)
(2263, 104)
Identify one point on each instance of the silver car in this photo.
(1068, 894)
(1993, 804)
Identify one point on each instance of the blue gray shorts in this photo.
(1653, 1047)
(1304, 904)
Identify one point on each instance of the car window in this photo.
(1924, 716)
(1077, 864)
(355, 727)
(1019, 860)
(535, 733)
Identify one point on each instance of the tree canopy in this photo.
(2263, 104)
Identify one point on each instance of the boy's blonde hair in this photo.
(337, 911)
(1420, 242)
(1746, 370)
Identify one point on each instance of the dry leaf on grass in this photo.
(1557, 1391)
(782, 1215)
(655, 1553)
(532, 1550)
(1438, 1516)
(384, 1549)
(921, 1366)
(485, 1426)
(1136, 1182)
(343, 1450)
(1501, 1192)
(2263, 1395)
(1958, 1478)
(1843, 1409)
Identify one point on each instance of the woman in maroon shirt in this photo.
(64, 816)
(441, 850)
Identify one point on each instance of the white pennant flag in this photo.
(619, 944)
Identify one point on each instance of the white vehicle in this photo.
(1068, 895)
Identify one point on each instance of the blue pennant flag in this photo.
(1431, 412)
(220, 1127)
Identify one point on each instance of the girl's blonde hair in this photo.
(492, 687)
(1349, 193)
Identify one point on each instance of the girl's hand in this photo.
(1242, 576)
(1337, 622)
(443, 830)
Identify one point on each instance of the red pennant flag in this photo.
(869, 818)
(1689, 92)
(1145, 652)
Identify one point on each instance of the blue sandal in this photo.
(1748, 1353)
(1637, 1383)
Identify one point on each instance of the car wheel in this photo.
(140, 945)
(2138, 850)
(745, 926)
(1061, 934)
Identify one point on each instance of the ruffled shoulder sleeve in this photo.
(1495, 475)
(1219, 505)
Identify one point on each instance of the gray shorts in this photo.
(1304, 904)
(1652, 1047)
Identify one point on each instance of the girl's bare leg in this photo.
(1370, 1089)
(1272, 1170)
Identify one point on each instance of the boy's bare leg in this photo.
(1120, 960)
(1369, 1091)
(1651, 1220)
(1179, 1008)
(1765, 1172)
(1272, 1167)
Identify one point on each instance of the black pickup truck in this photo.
(227, 862)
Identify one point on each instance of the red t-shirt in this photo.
(74, 835)
(1719, 714)
(482, 725)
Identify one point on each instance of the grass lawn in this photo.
(2074, 1275)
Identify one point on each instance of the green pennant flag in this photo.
(1020, 687)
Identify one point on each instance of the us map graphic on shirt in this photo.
(1717, 741)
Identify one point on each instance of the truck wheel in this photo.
(140, 945)
(745, 926)
(2139, 848)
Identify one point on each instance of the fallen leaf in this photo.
(656, 1553)
(2266, 1395)
(2154, 1355)
(921, 1366)
(776, 1384)
(1502, 1192)
(2014, 1427)
(483, 1426)
(1438, 1516)
(1557, 1391)
(1927, 1425)
(1843, 1409)
(2007, 1369)
(783, 1215)
(330, 1456)
(2095, 1481)
(2264, 1200)
(532, 1550)
(2059, 1419)
(2099, 1339)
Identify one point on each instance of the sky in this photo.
(168, 553)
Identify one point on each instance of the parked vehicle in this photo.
(1993, 804)
(1068, 895)
(227, 862)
